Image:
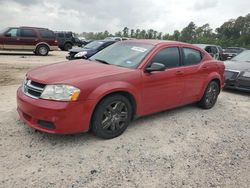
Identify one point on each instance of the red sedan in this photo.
(126, 80)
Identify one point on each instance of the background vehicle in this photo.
(127, 79)
(38, 40)
(89, 50)
(231, 52)
(117, 38)
(237, 72)
(214, 50)
(66, 40)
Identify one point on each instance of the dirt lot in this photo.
(185, 147)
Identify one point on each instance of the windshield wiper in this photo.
(102, 61)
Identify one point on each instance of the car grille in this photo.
(231, 74)
(33, 89)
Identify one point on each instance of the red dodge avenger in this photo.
(125, 80)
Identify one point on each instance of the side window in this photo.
(47, 34)
(208, 49)
(28, 33)
(170, 57)
(214, 50)
(60, 35)
(68, 35)
(191, 56)
(13, 32)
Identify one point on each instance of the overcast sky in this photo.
(114, 15)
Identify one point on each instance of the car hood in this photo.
(74, 72)
(236, 65)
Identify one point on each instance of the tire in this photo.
(67, 46)
(42, 50)
(111, 117)
(210, 95)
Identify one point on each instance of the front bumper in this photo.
(241, 83)
(54, 116)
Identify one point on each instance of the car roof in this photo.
(28, 27)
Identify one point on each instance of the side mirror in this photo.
(156, 67)
(7, 34)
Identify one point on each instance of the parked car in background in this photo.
(125, 80)
(66, 40)
(117, 38)
(214, 50)
(237, 72)
(38, 40)
(89, 50)
(231, 52)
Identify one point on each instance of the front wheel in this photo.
(210, 96)
(111, 117)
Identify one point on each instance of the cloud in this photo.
(201, 5)
(114, 15)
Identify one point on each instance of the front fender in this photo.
(116, 86)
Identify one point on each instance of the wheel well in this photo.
(68, 42)
(126, 94)
(42, 44)
(217, 81)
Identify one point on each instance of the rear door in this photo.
(195, 73)
(28, 38)
(163, 89)
(11, 39)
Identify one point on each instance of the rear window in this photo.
(47, 34)
(68, 35)
(60, 35)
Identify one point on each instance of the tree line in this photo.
(234, 32)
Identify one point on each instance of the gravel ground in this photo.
(184, 147)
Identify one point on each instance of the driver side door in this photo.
(11, 40)
(163, 89)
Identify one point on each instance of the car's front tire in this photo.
(111, 117)
(210, 95)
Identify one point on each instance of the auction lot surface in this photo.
(185, 147)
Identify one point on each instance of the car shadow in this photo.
(88, 138)
(22, 54)
(236, 92)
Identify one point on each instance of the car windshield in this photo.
(94, 45)
(243, 56)
(124, 54)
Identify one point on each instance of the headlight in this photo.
(81, 54)
(60, 93)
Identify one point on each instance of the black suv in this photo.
(66, 40)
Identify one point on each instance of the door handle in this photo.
(179, 72)
(205, 67)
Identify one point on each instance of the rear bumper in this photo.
(54, 116)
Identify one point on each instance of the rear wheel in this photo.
(67, 46)
(111, 117)
(210, 96)
(42, 50)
